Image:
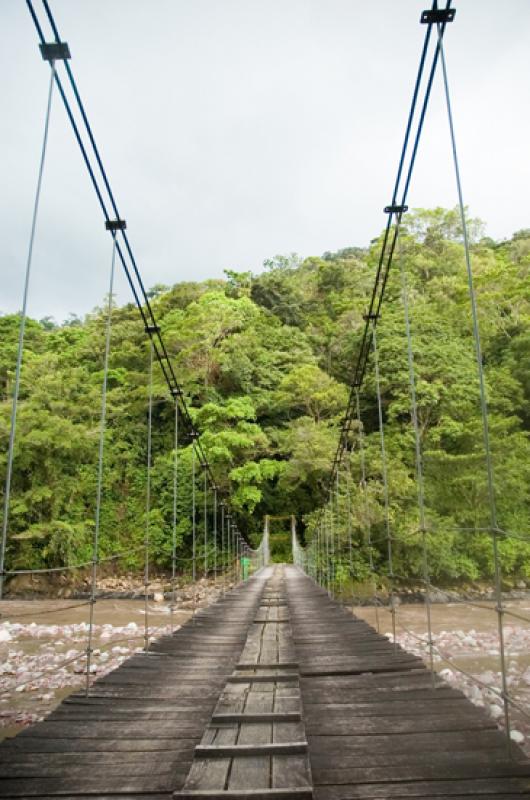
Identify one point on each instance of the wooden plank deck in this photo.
(255, 745)
(277, 692)
(376, 727)
(136, 733)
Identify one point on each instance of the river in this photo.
(42, 646)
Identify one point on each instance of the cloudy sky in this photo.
(233, 130)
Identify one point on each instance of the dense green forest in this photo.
(264, 361)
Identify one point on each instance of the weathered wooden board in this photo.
(224, 708)
(136, 732)
(376, 727)
(266, 753)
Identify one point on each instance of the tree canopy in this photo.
(265, 362)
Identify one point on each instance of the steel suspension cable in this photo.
(205, 524)
(148, 499)
(193, 524)
(21, 334)
(174, 521)
(215, 535)
(483, 399)
(418, 457)
(223, 553)
(384, 475)
(124, 250)
(366, 515)
(101, 453)
(389, 242)
(347, 467)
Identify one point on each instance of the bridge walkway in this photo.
(136, 732)
(275, 691)
(376, 727)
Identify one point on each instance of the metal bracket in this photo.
(115, 224)
(152, 329)
(396, 209)
(194, 434)
(54, 51)
(437, 15)
(370, 317)
(176, 391)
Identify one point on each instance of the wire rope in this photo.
(21, 334)
(101, 454)
(148, 495)
(174, 520)
(482, 390)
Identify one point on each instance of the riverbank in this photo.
(110, 585)
(129, 585)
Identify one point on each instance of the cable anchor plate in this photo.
(396, 209)
(54, 51)
(115, 224)
(437, 15)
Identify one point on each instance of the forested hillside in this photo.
(264, 361)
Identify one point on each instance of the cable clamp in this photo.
(395, 209)
(204, 465)
(194, 434)
(115, 224)
(152, 329)
(54, 51)
(370, 317)
(176, 391)
(437, 15)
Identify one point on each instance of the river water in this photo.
(42, 646)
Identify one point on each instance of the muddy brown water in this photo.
(37, 637)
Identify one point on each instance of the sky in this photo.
(235, 130)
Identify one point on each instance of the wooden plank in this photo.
(284, 748)
(290, 771)
(37, 744)
(273, 716)
(448, 788)
(28, 787)
(206, 774)
(248, 794)
(261, 665)
(364, 726)
(252, 772)
(419, 771)
(268, 678)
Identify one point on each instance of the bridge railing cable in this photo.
(224, 551)
(330, 550)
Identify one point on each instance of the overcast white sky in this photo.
(233, 130)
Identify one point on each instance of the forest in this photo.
(265, 362)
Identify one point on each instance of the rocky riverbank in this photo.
(111, 585)
(43, 642)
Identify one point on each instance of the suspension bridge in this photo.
(275, 689)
